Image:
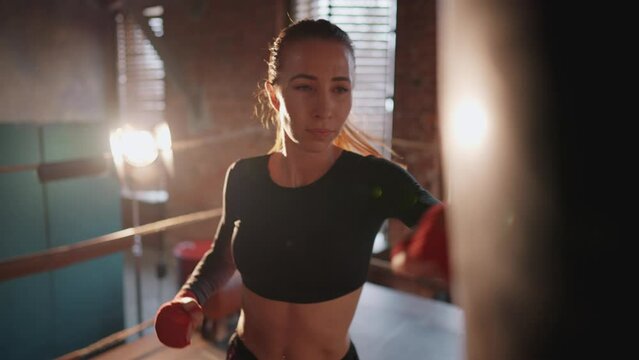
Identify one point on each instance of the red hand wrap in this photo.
(429, 242)
(173, 321)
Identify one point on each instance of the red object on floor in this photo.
(188, 253)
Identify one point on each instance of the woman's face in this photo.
(313, 92)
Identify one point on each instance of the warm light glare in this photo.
(153, 11)
(163, 136)
(470, 123)
(139, 147)
(389, 104)
(116, 148)
(163, 140)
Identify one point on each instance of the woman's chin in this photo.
(317, 146)
(314, 146)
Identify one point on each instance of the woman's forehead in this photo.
(317, 57)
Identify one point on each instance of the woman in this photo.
(299, 223)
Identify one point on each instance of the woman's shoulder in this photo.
(250, 161)
(373, 164)
(248, 166)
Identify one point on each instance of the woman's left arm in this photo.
(404, 198)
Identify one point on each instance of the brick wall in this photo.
(57, 62)
(415, 114)
(219, 49)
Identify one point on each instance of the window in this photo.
(141, 96)
(371, 26)
(141, 88)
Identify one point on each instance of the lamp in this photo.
(142, 177)
(135, 153)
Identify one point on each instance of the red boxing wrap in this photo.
(173, 321)
(429, 241)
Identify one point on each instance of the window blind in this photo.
(371, 26)
(141, 86)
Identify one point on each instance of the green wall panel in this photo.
(88, 302)
(22, 215)
(74, 141)
(21, 198)
(46, 315)
(26, 314)
(88, 296)
(26, 302)
(26, 310)
(18, 145)
(82, 208)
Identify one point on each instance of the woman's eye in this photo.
(342, 90)
(303, 88)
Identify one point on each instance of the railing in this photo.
(121, 240)
(96, 165)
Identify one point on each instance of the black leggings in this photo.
(238, 351)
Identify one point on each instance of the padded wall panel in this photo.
(48, 314)
(74, 141)
(26, 304)
(87, 296)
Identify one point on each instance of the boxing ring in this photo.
(388, 324)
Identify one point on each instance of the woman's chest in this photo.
(304, 228)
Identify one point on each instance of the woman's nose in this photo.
(323, 106)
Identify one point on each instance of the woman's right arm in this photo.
(217, 266)
(176, 319)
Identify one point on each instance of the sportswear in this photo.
(311, 243)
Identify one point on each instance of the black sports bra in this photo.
(311, 243)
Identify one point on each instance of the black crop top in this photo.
(311, 243)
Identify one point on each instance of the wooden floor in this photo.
(388, 324)
(149, 348)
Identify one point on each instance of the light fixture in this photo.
(138, 148)
(135, 152)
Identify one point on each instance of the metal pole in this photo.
(136, 249)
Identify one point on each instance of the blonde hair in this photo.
(350, 138)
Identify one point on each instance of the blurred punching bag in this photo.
(528, 162)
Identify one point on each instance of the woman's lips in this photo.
(321, 133)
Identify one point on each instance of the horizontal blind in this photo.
(141, 84)
(371, 26)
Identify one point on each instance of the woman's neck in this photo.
(294, 167)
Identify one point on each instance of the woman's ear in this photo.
(272, 96)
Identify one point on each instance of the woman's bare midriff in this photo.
(276, 330)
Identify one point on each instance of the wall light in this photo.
(138, 148)
(135, 154)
